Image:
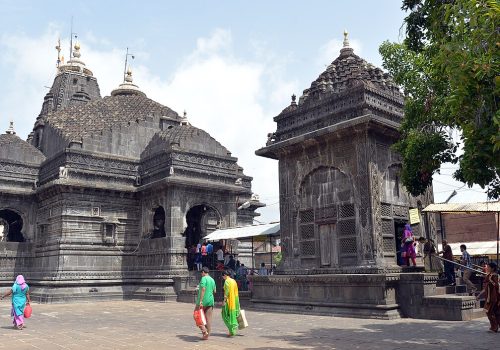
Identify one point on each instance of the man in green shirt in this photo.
(205, 299)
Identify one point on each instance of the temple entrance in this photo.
(201, 220)
(11, 225)
(159, 223)
(399, 227)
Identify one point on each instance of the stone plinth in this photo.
(359, 295)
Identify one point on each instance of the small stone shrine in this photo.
(104, 197)
(342, 205)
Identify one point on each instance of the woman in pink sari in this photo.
(409, 246)
(20, 298)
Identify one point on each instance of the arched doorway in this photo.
(201, 220)
(159, 223)
(12, 226)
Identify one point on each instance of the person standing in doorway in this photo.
(409, 245)
(492, 294)
(205, 300)
(449, 268)
(231, 306)
(467, 269)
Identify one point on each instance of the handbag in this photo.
(199, 317)
(27, 311)
(242, 320)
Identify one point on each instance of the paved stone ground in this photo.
(148, 325)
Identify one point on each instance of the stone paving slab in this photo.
(149, 325)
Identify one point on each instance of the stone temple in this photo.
(342, 205)
(104, 197)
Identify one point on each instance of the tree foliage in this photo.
(448, 67)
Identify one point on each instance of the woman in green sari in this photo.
(231, 307)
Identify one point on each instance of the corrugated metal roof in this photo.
(463, 207)
(475, 248)
(244, 232)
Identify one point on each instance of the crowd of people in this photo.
(216, 257)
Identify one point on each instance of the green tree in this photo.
(448, 68)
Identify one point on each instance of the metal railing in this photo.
(464, 266)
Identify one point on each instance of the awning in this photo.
(463, 207)
(476, 248)
(245, 231)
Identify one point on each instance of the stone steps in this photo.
(452, 302)
(450, 307)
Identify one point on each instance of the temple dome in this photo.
(346, 71)
(187, 138)
(14, 149)
(81, 121)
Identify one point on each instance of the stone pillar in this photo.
(363, 203)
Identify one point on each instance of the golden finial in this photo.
(346, 39)
(76, 52)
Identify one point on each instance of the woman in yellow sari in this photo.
(231, 307)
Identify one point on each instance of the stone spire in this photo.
(184, 120)
(346, 50)
(128, 77)
(11, 130)
(346, 39)
(127, 87)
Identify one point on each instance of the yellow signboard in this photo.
(414, 216)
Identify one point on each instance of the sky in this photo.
(231, 65)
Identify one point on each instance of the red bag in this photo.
(27, 311)
(199, 317)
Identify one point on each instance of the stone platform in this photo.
(352, 295)
(383, 296)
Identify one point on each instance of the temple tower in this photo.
(341, 201)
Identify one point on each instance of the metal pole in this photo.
(271, 247)
(71, 39)
(125, 69)
(441, 225)
(253, 263)
(498, 233)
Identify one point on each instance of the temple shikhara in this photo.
(107, 192)
(342, 206)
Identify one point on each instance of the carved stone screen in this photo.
(325, 198)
